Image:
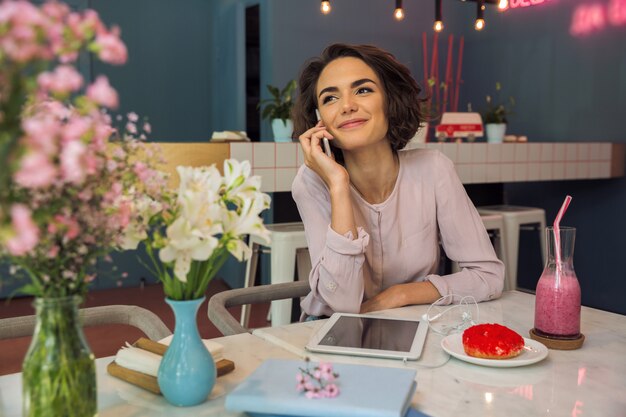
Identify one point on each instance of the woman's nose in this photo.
(349, 105)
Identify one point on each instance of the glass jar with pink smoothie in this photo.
(557, 303)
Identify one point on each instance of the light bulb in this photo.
(479, 24)
(399, 13)
(438, 26)
(325, 7)
(503, 5)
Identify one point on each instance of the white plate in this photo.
(533, 352)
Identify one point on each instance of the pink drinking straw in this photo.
(557, 235)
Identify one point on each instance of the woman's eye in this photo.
(327, 99)
(364, 90)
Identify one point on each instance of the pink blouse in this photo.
(398, 239)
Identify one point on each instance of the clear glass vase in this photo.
(59, 373)
(557, 303)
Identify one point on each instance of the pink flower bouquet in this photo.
(67, 176)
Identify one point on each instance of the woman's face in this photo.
(351, 102)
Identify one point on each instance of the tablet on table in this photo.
(370, 335)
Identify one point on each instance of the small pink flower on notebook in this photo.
(318, 382)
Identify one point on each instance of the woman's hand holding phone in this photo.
(322, 160)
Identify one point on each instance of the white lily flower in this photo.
(237, 180)
(239, 249)
(184, 245)
(204, 214)
(201, 179)
(248, 220)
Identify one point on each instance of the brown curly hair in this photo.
(402, 93)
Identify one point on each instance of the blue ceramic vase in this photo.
(187, 373)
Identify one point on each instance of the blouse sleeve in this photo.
(336, 277)
(464, 240)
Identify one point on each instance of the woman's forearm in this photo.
(342, 215)
(402, 295)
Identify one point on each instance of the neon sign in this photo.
(589, 18)
(514, 4)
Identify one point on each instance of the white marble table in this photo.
(590, 381)
(582, 383)
(117, 398)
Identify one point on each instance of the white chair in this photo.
(139, 317)
(494, 223)
(287, 239)
(516, 217)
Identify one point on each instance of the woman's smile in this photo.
(352, 124)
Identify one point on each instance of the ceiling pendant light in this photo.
(398, 13)
(480, 21)
(503, 5)
(438, 27)
(325, 7)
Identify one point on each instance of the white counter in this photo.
(476, 163)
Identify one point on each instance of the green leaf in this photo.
(275, 92)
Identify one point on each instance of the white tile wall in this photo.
(547, 152)
(450, 150)
(559, 152)
(493, 172)
(558, 170)
(494, 152)
(605, 151)
(595, 169)
(479, 173)
(264, 155)
(507, 173)
(534, 152)
(285, 155)
(508, 152)
(278, 163)
(605, 170)
(521, 152)
(464, 154)
(479, 153)
(571, 153)
(284, 178)
(583, 170)
(241, 151)
(546, 171)
(268, 179)
(594, 152)
(521, 172)
(534, 171)
(571, 170)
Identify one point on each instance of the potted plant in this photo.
(278, 110)
(495, 117)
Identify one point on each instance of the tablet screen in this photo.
(371, 333)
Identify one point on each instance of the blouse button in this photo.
(331, 286)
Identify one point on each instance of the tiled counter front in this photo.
(475, 163)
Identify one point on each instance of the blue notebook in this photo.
(365, 391)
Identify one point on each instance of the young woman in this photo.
(373, 215)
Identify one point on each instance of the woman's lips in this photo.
(350, 124)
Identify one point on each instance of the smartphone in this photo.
(324, 140)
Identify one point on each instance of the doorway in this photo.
(253, 73)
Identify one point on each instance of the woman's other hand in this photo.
(401, 295)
